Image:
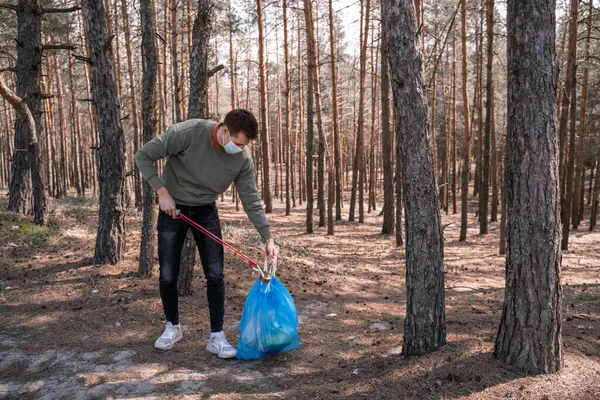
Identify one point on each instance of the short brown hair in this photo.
(242, 120)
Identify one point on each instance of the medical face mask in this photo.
(230, 147)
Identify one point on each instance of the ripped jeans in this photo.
(171, 237)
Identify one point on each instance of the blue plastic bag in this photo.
(269, 321)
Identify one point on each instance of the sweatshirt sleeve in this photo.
(172, 141)
(245, 184)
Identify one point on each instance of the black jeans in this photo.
(171, 237)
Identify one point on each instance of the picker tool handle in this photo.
(180, 215)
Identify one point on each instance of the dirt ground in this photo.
(73, 330)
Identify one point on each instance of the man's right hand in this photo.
(166, 202)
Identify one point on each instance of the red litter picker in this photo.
(269, 318)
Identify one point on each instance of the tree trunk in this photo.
(110, 242)
(28, 66)
(336, 128)
(425, 325)
(464, 189)
(579, 171)
(503, 172)
(132, 90)
(197, 108)
(453, 113)
(529, 336)
(489, 121)
(310, 43)
(358, 166)
(288, 110)
(387, 141)
(149, 64)
(262, 87)
(36, 166)
(595, 194)
(567, 97)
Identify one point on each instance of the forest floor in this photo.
(70, 329)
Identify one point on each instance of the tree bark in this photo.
(358, 166)
(132, 90)
(529, 336)
(387, 141)
(39, 187)
(110, 242)
(489, 120)
(28, 68)
(425, 325)
(264, 134)
(149, 65)
(310, 42)
(579, 171)
(464, 189)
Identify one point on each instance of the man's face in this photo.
(239, 139)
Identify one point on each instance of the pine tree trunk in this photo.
(566, 99)
(464, 189)
(36, 166)
(503, 174)
(425, 325)
(453, 113)
(529, 336)
(336, 128)
(132, 91)
(197, 108)
(579, 171)
(595, 194)
(489, 121)
(264, 135)
(110, 242)
(387, 141)
(358, 167)
(288, 112)
(149, 63)
(310, 43)
(28, 67)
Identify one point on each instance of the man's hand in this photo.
(166, 202)
(271, 251)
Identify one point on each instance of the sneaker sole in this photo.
(169, 347)
(215, 351)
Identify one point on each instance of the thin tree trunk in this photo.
(567, 92)
(310, 43)
(453, 113)
(359, 148)
(288, 111)
(467, 149)
(425, 325)
(529, 336)
(387, 140)
(595, 194)
(568, 196)
(132, 90)
(110, 242)
(503, 174)
(336, 128)
(149, 64)
(489, 121)
(579, 171)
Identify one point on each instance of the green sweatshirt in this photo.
(197, 172)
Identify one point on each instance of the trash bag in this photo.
(269, 321)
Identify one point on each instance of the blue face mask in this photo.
(230, 147)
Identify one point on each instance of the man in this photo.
(203, 159)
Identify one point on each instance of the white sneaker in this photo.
(218, 345)
(170, 336)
